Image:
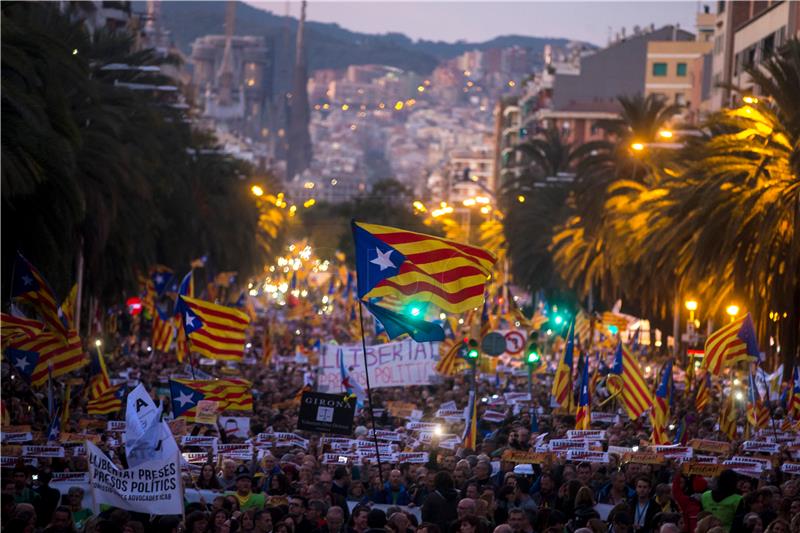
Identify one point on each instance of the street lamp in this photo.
(691, 305)
(257, 190)
(637, 146)
(732, 311)
(665, 134)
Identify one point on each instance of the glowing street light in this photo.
(521, 199)
(732, 311)
(637, 146)
(691, 305)
(257, 190)
(750, 100)
(665, 134)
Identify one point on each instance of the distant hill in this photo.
(330, 45)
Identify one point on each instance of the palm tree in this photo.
(734, 214)
(587, 249)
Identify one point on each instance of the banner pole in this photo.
(369, 390)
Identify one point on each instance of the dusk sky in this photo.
(480, 21)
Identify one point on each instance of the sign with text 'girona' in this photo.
(326, 413)
(394, 364)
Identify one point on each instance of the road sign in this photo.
(515, 342)
(493, 344)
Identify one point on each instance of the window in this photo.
(659, 69)
(681, 71)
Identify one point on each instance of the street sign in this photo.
(493, 344)
(326, 413)
(515, 342)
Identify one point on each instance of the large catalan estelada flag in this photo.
(232, 395)
(56, 356)
(583, 417)
(626, 379)
(393, 261)
(28, 285)
(215, 331)
(110, 401)
(730, 344)
(562, 382)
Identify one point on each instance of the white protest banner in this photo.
(604, 418)
(412, 457)
(451, 415)
(760, 447)
(766, 464)
(25, 436)
(382, 434)
(10, 462)
(791, 468)
(196, 458)
(236, 426)
(153, 487)
(587, 456)
(147, 438)
(243, 452)
(448, 405)
(336, 458)
(706, 459)
(567, 444)
(43, 451)
(421, 426)
(394, 364)
(674, 452)
(63, 481)
(591, 434)
(517, 397)
(116, 425)
(493, 416)
(199, 440)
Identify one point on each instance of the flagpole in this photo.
(369, 390)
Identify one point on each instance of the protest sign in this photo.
(712, 446)
(326, 413)
(23, 436)
(147, 437)
(604, 418)
(645, 458)
(591, 434)
(116, 425)
(412, 457)
(235, 426)
(394, 364)
(153, 487)
(401, 409)
(587, 456)
(791, 468)
(206, 412)
(702, 469)
(493, 416)
(674, 452)
(760, 447)
(43, 451)
(199, 440)
(527, 458)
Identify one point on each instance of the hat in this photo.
(243, 472)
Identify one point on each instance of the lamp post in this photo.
(732, 311)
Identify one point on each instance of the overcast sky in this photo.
(481, 21)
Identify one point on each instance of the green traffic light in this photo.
(533, 358)
(559, 320)
(415, 311)
(472, 354)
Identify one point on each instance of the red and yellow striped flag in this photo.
(629, 383)
(215, 331)
(163, 332)
(108, 402)
(731, 344)
(56, 355)
(727, 418)
(450, 364)
(28, 285)
(405, 263)
(561, 392)
(703, 397)
(232, 395)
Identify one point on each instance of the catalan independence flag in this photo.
(57, 356)
(703, 397)
(28, 285)
(163, 331)
(731, 344)
(660, 414)
(99, 381)
(215, 331)
(108, 402)
(793, 404)
(629, 383)
(728, 416)
(392, 261)
(584, 415)
(16, 328)
(562, 382)
(470, 436)
(757, 413)
(232, 394)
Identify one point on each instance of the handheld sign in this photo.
(326, 413)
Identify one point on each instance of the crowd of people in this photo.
(290, 489)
